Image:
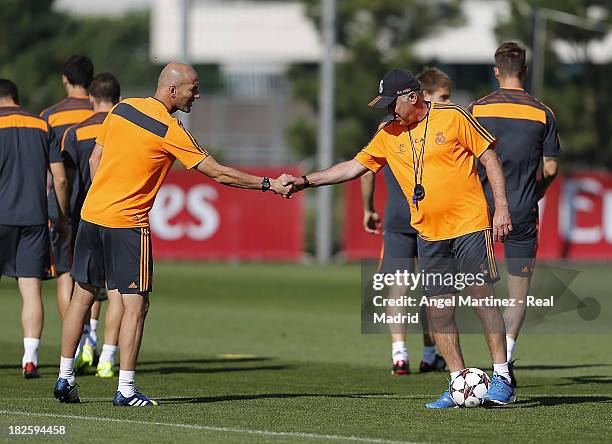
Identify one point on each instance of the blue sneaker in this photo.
(500, 391)
(443, 402)
(65, 392)
(137, 400)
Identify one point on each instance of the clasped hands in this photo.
(286, 185)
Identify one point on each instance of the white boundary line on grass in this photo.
(209, 428)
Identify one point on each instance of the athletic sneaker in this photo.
(445, 401)
(500, 391)
(84, 361)
(137, 400)
(65, 392)
(438, 365)
(30, 371)
(105, 370)
(511, 371)
(401, 367)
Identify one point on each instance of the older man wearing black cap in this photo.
(448, 209)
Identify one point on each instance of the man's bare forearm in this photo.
(495, 175)
(367, 191)
(341, 172)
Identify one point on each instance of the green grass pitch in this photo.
(274, 353)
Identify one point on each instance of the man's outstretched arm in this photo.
(235, 178)
(341, 172)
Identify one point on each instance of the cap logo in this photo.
(403, 91)
(380, 87)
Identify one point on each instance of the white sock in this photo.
(86, 336)
(67, 369)
(429, 354)
(502, 370)
(399, 351)
(509, 347)
(93, 336)
(108, 353)
(126, 383)
(455, 374)
(30, 351)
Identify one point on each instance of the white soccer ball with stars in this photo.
(469, 388)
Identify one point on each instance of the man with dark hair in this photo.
(77, 146)
(27, 144)
(526, 131)
(399, 248)
(76, 77)
(454, 234)
(135, 148)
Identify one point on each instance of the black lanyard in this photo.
(418, 161)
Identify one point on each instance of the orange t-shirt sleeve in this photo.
(181, 144)
(373, 156)
(472, 135)
(103, 129)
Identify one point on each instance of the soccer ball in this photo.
(469, 388)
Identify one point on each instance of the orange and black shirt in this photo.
(78, 143)
(27, 147)
(454, 203)
(141, 141)
(526, 131)
(61, 116)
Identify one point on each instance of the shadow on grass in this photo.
(548, 401)
(203, 370)
(206, 360)
(558, 366)
(211, 399)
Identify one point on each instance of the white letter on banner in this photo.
(204, 211)
(571, 203)
(169, 203)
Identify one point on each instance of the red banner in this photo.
(575, 219)
(196, 218)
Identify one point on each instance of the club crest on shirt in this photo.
(401, 148)
(440, 138)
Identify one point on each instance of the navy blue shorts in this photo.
(398, 253)
(61, 251)
(24, 251)
(451, 264)
(115, 258)
(520, 249)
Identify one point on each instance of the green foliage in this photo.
(38, 40)
(580, 94)
(373, 36)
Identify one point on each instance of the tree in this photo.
(373, 37)
(580, 93)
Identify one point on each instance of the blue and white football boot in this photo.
(445, 401)
(65, 392)
(136, 400)
(500, 391)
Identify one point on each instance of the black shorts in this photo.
(24, 251)
(398, 252)
(520, 249)
(115, 258)
(61, 252)
(451, 265)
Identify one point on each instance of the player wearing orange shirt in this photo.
(437, 173)
(138, 143)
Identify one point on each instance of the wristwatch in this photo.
(306, 181)
(265, 184)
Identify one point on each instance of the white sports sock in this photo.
(86, 336)
(93, 336)
(509, 347)
(126, 383)
(429, 354)
(502, 370)
(454, 374)
(108, 353)
(30, 351)
(399, 351)
(67, 369)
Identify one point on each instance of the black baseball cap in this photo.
(395, 83)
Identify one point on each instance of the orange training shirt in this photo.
(454, 203)
(141, 140)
